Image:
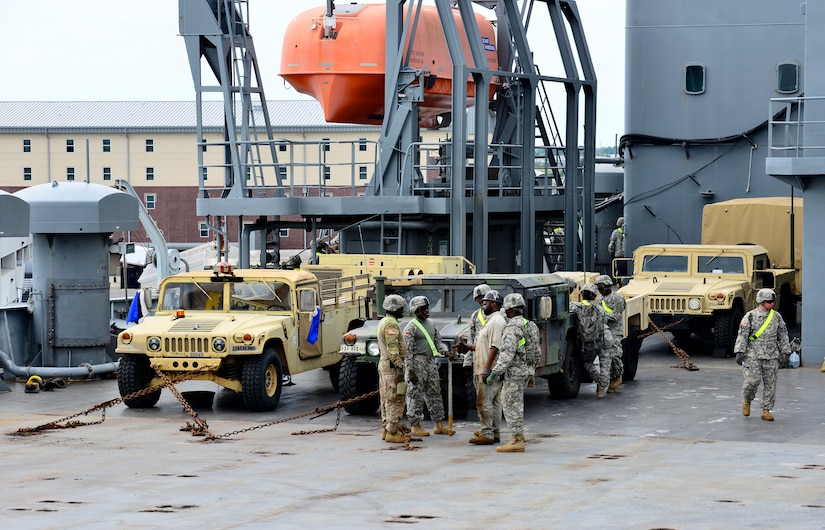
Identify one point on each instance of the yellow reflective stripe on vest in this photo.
(523, 341)
(763, 327)
(481, 318)
(604, 306)
(585, 302)
(427, 335)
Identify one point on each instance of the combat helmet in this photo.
(765, 295)
(494, 296)
(514, 301)
(604, 279)
(418, 302)
(394, 302)
(480, 290)
(589, 288)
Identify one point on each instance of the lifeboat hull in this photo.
(346, 73)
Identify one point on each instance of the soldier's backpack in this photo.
(591, 324)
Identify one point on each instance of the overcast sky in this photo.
(107, 50)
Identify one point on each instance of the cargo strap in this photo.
(427, 336)
(764, 326)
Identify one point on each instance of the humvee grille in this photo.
(668, 304)
(187, 345)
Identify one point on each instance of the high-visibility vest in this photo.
(427, 336)
(762, 328)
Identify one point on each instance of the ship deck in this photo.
(669, 450)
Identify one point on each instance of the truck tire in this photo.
(630, 354)
(565, 384)
(262, 381)
(135, 374)
(357, 379)
(725, 329)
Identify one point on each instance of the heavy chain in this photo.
(63, 423)
(317, 412)
(680, 353)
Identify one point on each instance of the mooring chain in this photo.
(318, 411)
(680, 353)
(63, 423)
(663, 328)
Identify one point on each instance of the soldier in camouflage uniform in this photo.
(513, 364)
(591, 328)
(613, 305)
(391, 368)
(423, 344)
(762, 339)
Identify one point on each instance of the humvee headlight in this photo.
(218, 344)
(372, 349)
(694, 304)
(153, 343)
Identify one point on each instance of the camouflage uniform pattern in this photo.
(616, 244)
(761, 363)
(594, 349)
(512, 364)
(488, 397)
(613, 306)
(390, 372)
(420, 361)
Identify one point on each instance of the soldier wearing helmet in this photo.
(518, 354)
(477, 321)
(760, 343)
(423, 344)
(488, 401)
(616, 244)
(613, 305)
(391, 368)
(590, 328)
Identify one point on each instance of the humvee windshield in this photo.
(193, 295)
(721, 264)
(260, 296)
(659, 263)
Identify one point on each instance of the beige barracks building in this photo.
(153, 146)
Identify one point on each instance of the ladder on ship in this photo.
(548, 135)
(391, 225)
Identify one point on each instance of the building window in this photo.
(151, 200)
(69, 173)
(248, 173)
(325, 143)
(283, 232)
(107, 173)
(362, 172)
(70, 146)
(150, 173)
(787, 78)
(27, 145)
(107, 145)
(327, 173)
(362, 144)
(694, 79)
(203, 228)
(204, 173)
(150, 145)
(282, 145)
(27, 173)
(282, 172)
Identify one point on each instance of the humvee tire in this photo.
(134, 374)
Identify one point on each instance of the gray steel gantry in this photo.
(486, 193)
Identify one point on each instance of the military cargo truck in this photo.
(451, 305)
(388, 265)
(242, 329)
(703, 289)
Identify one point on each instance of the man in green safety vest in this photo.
(762, 339)
(423, 345)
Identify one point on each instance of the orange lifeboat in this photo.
(345, 72)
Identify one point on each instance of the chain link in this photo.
(680, 353)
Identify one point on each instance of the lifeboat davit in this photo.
(345, 71)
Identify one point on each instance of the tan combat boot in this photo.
(396, 438)
(746, 408)
(614, 384)
(766, 415)
(600, 391)
(481, 440)
(515, 445)
(418, 431)
(440, 428)
(383, 434)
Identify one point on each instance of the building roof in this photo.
(172, 116)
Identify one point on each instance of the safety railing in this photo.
(796, 127)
